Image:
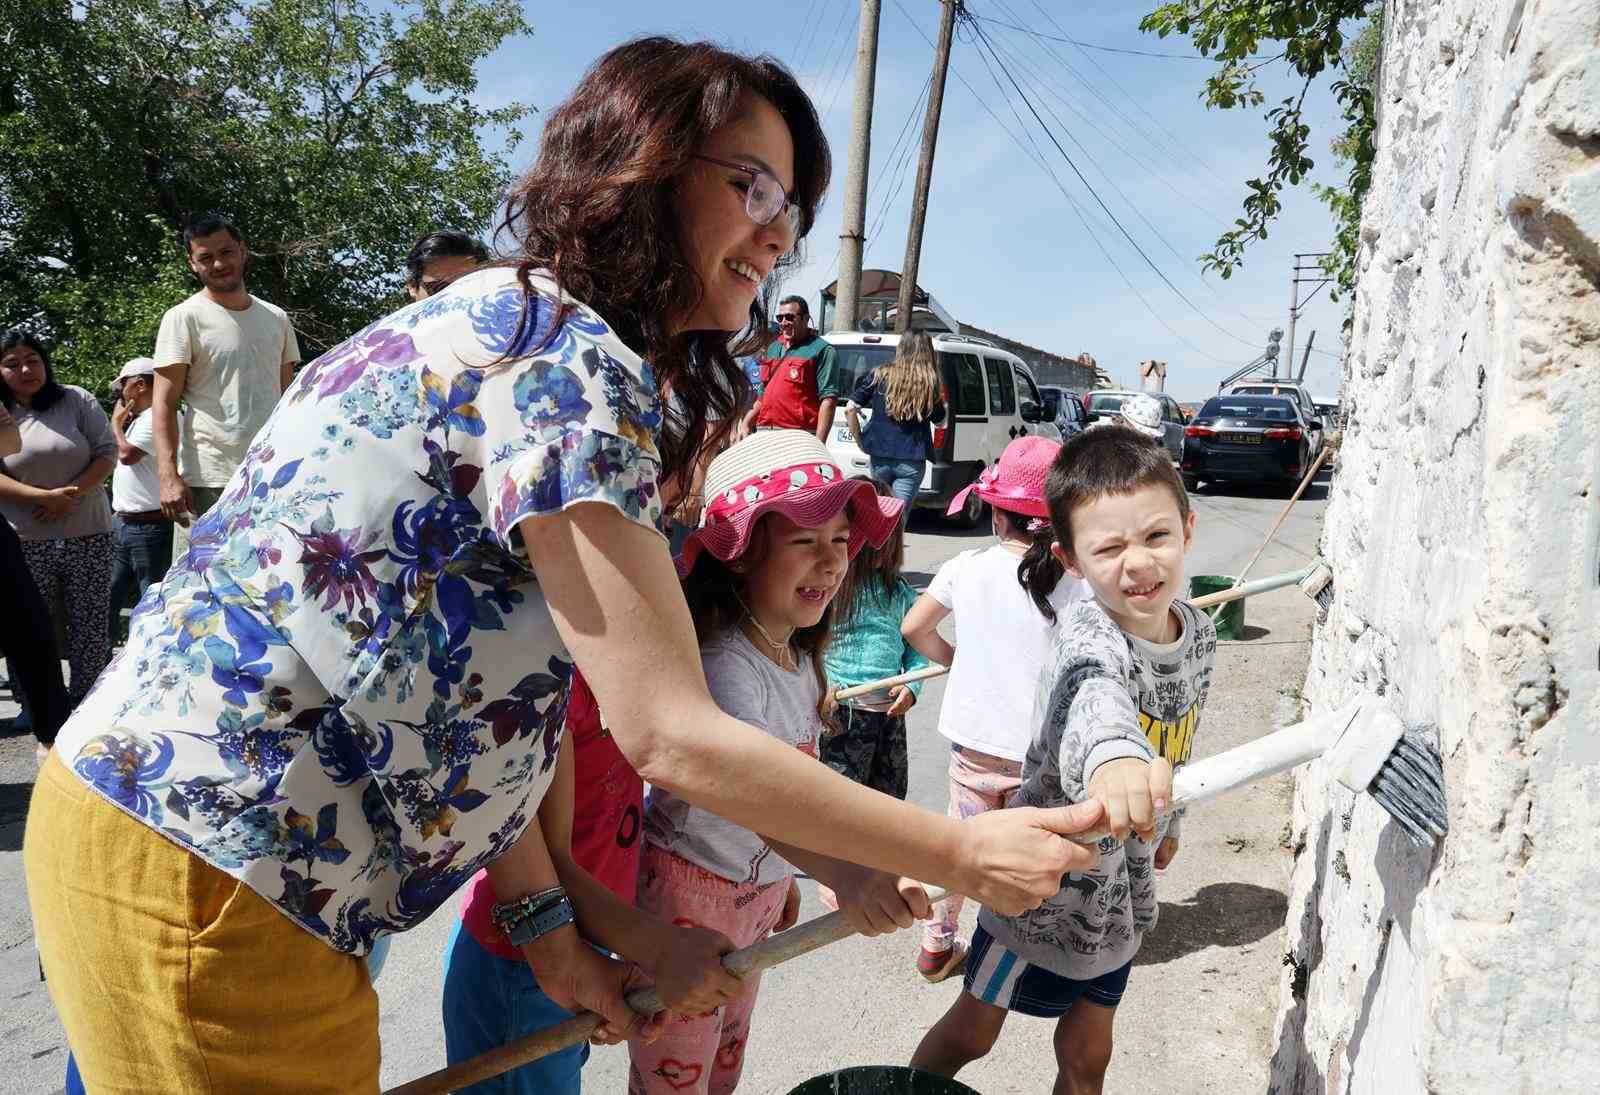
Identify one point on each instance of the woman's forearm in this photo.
(15, 490)
(616, 601)
(96, 474)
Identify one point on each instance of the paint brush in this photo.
(1370, 748)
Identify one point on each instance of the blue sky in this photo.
(1003, 247)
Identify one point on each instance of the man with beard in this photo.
(228, 356)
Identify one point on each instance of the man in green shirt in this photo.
(799, 377)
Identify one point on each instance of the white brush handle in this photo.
(1265, 756)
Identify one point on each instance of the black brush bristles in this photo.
(1410, 785)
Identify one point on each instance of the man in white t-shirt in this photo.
(228, 356)
(143, 547)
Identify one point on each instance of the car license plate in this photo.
(842, 433)
(1242, 438)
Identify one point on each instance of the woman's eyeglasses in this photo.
(765, 198)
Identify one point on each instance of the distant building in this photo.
(880, 290)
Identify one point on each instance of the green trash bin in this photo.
(1229, 617)
(881, 1080)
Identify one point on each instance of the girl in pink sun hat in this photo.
(1004, 633)
(780, 525)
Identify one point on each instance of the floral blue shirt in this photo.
(348, 694)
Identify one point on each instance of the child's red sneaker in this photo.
(936, 966)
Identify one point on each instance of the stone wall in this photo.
(1462, 534)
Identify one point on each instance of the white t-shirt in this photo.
(1002, 643)
(136, 488)
(235, 362)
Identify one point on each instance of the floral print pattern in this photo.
(349, 693)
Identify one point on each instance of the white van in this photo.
(991, 397)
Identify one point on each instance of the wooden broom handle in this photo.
(1311, 474)
(771, 951)
(889, 682)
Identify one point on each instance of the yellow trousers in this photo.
(171, 976)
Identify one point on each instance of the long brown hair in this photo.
(910, 383)
(596, 211)
(717, 600)
(871, 567)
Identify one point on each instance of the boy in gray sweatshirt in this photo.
(1117, 707)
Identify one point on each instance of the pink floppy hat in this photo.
(1015, 482)
(788, 472)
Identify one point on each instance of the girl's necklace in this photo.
(779, 649)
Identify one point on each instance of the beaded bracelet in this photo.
(508, 913)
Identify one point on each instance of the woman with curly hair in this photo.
(347, 698)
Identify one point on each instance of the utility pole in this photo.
(1310, 273)
(1294, 311)
(930, 138)
(1305, 358)
(852, 237)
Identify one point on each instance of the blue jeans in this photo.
(489, 1000)
(141, 556)
(902, 477)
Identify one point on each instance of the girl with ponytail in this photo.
(1005, 600)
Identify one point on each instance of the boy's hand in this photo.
(1166, 852)
(1134, 792)
(879, 902)
(791, 908)
(903, 699)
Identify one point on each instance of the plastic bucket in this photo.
(1229, 617)
(881, 1080)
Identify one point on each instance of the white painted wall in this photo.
(1462, 534)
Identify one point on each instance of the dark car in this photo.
(1248, 438)
(1063, 408)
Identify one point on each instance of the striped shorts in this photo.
(997, 976)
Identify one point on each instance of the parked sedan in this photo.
(1249, 438)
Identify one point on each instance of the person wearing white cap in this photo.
(1143, 413)
(143, 548)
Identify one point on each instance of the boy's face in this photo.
(1130, 549)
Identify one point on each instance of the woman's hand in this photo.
(791, 908)
(53, 505)
(903, 699)
(690, 977)
(580, 978)
(878, 902)
(1015, 858)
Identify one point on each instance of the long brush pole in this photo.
(1250, 589)
(1197, 782)
(771, 951)
(922, 674)
(1311, 473)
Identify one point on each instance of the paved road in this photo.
(1199, 1008)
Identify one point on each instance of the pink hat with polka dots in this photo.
(788, 472)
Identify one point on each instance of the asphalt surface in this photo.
(1198, 1013)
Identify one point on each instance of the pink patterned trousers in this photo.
(979, 782)
(703, 1054)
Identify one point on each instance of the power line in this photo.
(841, 67)
(1091, 45)
(809, 34)
(1083, 219)
(1040, 84)
(983, 40)
(1174, 144)
(898, 172)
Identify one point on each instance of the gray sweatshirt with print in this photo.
(1104, 695)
